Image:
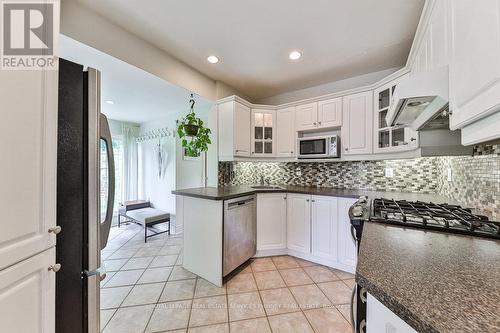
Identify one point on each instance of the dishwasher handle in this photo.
(240, 203)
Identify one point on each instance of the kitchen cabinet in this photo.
(28, 177)
(388, 139)
(27, 295)
(318, 115)
(330, 113)
(286, 136)
(380, 319)
(263, 133)
(347, 254)
(298, 223)
(474, 64)
(271, 221)
(234, 130)
(324, 227)
(306, 117)
(357, 124)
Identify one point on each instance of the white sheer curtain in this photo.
(130, 162)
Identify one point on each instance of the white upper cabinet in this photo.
(286, 136)
(28, 146)
(324, 227)
(347, 245)
(271, 221)
(27, 295)
(234, 130)
(263, 133)
(330, 113)
(306, 117)
(388, 139)
(298, 223)
(323, 114)
(474, 64)
(357, 124)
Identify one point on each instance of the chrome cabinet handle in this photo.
(319, 122)
(284, 198)
(307, 200)
(313, 200)
(55, 268)
(314, 123)
(55, 230)
(413, 139)
(291, 152)
(346, 149)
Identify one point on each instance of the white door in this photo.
(241, 130)
(286, 139)
(357, 124)
(324, 227)
(27, 295)
(306, 116)
(271, 221)
(330, 113)
(475, 60)
(263, 134)
(347, 245)
(298, 225)
(28, 146)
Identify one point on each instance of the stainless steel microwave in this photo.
(319, 147)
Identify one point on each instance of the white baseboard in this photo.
(306, 256)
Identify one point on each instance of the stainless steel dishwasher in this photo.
(240, 232)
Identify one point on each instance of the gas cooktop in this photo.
(427, 215)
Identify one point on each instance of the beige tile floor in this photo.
(147, 290)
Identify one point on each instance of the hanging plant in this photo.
(195, 138)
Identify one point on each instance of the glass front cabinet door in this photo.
(390, 138)
(263, 133)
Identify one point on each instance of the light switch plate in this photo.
(389, 172)
(449, 174)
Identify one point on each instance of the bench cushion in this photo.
(148, 215)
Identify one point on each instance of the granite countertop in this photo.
(229, 192)
(436, 282)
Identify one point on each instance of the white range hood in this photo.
(419, 99)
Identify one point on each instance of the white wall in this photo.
(151, 186)
(93, 30)
(181, 173)
(327, 88)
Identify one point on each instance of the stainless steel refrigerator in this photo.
(84, 179)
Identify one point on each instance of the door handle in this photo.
(105, 134)
(55, 230)
(55, 268)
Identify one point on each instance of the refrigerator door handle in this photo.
(106, 224)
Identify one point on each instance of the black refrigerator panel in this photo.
(71, 198)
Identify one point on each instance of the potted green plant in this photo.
(195, 138)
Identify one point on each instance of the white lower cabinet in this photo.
(27, 295)
(324, 227)
(298, 225)
(271, 221)
(346, 244)
(380, 319)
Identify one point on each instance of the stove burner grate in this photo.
(428, 215)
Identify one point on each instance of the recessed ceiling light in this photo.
(212, 59)
(294, 55)
(110, 102)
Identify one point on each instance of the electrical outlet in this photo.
(389, 172)
(449, 175)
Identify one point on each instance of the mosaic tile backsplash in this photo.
(475, 179)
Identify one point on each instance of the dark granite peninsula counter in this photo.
(436, 282)
(230, 192)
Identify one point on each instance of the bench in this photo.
(142, 213)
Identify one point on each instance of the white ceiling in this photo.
(138, 96)
(338, 38)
